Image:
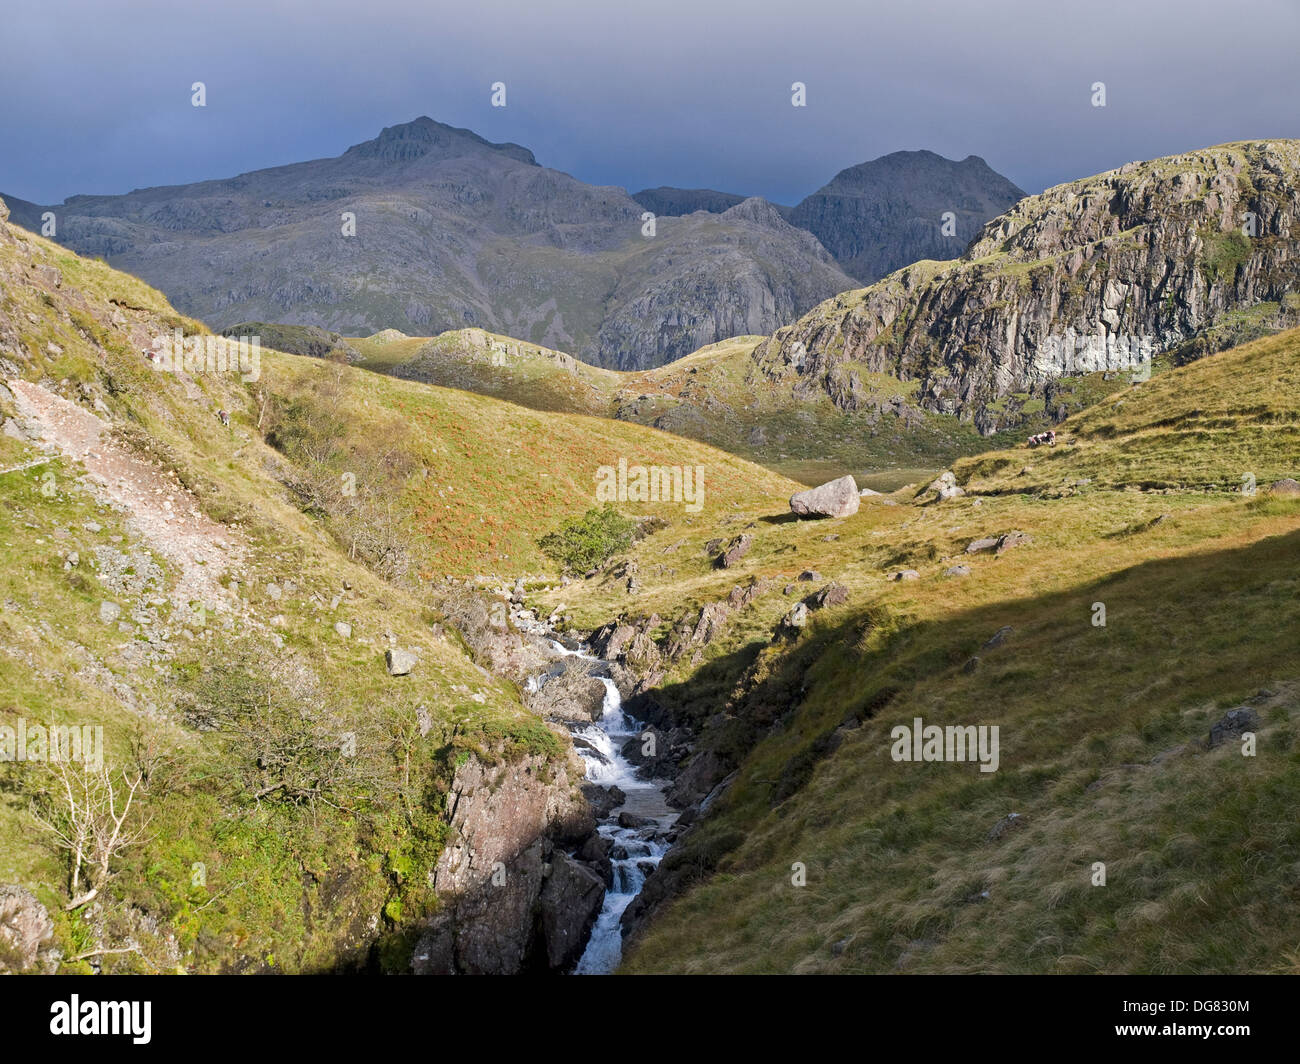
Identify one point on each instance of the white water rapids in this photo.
(636, 851)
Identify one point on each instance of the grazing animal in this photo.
(225, 418)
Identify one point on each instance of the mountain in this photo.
(669, 202)
(1094, 278)
(882, 215)
(1054, 307)
(453, 231)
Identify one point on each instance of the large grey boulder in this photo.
(1286, 486)
(998, 544)
(835, 498)
(572, 696)
(797, 617)
(1234, 724)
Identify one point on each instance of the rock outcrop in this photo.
(1095, 275)
(513, 900)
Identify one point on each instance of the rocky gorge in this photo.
(539, 866)
(549, 872)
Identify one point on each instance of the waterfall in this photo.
(636, 851)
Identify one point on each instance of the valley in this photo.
(404, 671)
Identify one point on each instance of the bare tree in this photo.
(90, 815)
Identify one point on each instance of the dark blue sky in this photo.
(97, 96)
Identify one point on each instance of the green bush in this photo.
(589, 541)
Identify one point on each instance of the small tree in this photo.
(591, 540)
(90, 815)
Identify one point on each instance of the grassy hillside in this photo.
(920, 867)
(714, 395)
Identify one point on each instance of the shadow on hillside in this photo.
(1222, 624)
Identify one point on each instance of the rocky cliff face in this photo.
(453, 231)
(882, 215)
(1099, 274)
(713, 287)
(512, 899)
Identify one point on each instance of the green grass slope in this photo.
(715, 396)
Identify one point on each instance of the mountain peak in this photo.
(904, 193)
(756, 209)
(424, 136)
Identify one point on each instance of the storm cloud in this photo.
(678, 92)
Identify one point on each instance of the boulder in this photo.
(835, 498)
(109, 612)
(602, 800)
(945, 487)
(699, 777)
(25, 929)
(736, 550)
(608, 642)
(797, 617)
(999, 637)
(905, 574)
(740, 597)
(573, 696)
(633, 821)
(998, 544)
(810, 575)
(571, 901)
(1234, 724)
(712, 618)
(1287, 486)
(595, 852)
(343, 629)
(957, 570)
(1011, 539)
(833, 594)
(400, 662)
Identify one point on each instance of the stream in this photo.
(636, 851)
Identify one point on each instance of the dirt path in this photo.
(157, 508)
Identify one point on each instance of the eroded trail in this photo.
(157, 508)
